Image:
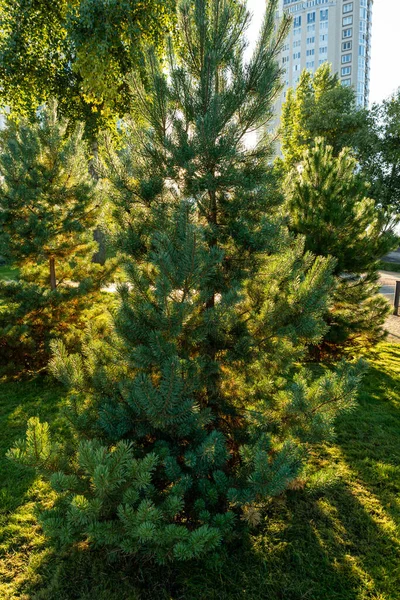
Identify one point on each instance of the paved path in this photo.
(393, 257)
(392, 326)
(388, 281)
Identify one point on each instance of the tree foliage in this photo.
(195, 409)
(320, 107)
(49, 204)
(379, 153)
(78, 51)
(328, 203)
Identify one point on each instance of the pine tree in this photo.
(328, 204)
(48, 209)
(195, 410)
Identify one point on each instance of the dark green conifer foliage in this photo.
(48, 209)
(328, 203)
(196, 410)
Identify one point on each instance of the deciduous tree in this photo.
(320, 107)
(379, 154)
(77, 51)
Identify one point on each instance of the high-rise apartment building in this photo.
(333, 31)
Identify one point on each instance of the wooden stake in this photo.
(53, 282)
(397, 299)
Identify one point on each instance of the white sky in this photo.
(385, 52)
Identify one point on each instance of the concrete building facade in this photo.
(333, 31)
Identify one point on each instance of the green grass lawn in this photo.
(7, 272)
(392, 267)
(338, 538)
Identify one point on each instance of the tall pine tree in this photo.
(49, 204)
(196, 410)
(328, 204)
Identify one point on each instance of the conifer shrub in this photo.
(49, 205)
(195, 410)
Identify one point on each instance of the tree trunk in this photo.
(99, 257)
(214, 379)
(53, 282)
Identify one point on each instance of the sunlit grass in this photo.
(338, 538)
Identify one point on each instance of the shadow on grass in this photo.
(343, 542)
(20, 400)
(339, 542)
(20, 535)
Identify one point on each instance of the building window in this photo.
(323, 25)
(346, 71)
(310, 28)
(311, 17)
(297, 22)
(311, 40)
(347, 21)
(323, 15)
(346, 46)
(323, 50)
(310, 52)
(361, 50)
(346, 82)
(296, 44)
(347, 33)
(323, 37)
(296, 55)
(347, 7)
(360, 100)
(346, 58)
(310, 64)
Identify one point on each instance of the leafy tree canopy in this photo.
(78, 51)
(319, 107)
(379, 153)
